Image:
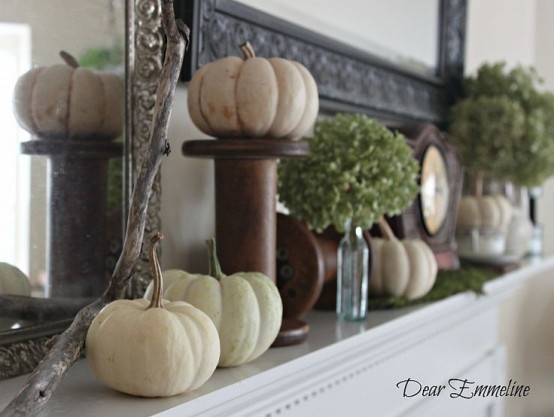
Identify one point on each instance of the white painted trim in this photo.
(343, 368)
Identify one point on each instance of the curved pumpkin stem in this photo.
(386, 230)
(215, 267)
(157, 292)
(247, 50)
(69, 59)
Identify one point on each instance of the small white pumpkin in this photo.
(403, 268)
(253, 97)
(486, 212)
(152, 349)
(69, 102)
(245, 307)
(520, 232)
(13, 281)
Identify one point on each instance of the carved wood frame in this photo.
(348, 79)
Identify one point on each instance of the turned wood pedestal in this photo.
(245, 202)
(77, 220)
(307, 266)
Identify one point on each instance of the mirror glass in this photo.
(403, 32)
(61, 148)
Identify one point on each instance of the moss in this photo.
(448, 283)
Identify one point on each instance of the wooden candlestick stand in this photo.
(77, 219)
(245, 200)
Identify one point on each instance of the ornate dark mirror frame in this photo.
(348, 79)
(22, 349)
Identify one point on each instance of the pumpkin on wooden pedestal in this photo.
(152, 349)
(68, 102)
(402, 268)
(484, 212)
(13, 281)
(253, 97)
(245, 307)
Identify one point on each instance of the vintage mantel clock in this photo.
(432, 215)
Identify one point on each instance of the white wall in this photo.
(187, 196)
(500, 30)
(544, 61)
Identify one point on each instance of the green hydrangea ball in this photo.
(358, 169)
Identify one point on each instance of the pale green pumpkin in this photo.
(13, 280)
(245, 307)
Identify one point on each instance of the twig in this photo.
(69, 346)
(386, 230)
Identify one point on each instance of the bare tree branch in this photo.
(69, 346)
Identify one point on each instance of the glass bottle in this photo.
(352, 274)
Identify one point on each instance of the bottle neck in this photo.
(352, 230)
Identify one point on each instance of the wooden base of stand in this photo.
(246, 197)
(293, 332)
(307, 266)
(77, 219)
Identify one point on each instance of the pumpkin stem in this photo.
(215, 267)
(479, 180)
(157, 292)
(69, 59)
(247, 50)
(386, 230)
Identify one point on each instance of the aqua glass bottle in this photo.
(352, 274)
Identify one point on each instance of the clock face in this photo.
(435, 192)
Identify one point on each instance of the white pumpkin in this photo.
(402, 268)
(245, 307)
(520, 232)
(68, 102)
(253, 97)
(485, 212)
(13, 281)
(152, 349)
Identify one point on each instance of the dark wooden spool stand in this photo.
(245, 200)
(307, 266)
(77, 221)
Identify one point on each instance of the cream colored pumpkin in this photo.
(13, 281)
(401, 268)
(520, 233)
(253, 97)
(486, 212)
(67, 102)
(152, 349)
(245, 307)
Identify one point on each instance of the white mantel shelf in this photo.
(343, 368)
